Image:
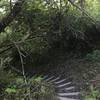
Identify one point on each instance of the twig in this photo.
(10, 45)
(23, 69)
(22, 62)
(1, 63)
(6, 49)
(11, 5)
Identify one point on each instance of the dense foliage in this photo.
(31, 31)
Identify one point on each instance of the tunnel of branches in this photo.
(36, 36)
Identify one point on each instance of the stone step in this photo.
(69, 94)
(65, 85)
(60, 81)
(64, 88)
(64, 98)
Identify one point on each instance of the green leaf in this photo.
(10, 90)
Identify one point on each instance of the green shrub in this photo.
(94, 94)
(95, 56)
(35, 88)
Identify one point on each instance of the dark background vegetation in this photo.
(50, 36)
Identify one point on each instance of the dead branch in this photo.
(22, 62)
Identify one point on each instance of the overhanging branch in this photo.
(82, 9)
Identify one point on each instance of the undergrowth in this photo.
(34, 89)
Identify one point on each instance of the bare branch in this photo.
(22, 62)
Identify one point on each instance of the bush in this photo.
(34, 89)
(94, 94)
(95, 56)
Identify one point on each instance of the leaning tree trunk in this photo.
(10, 17)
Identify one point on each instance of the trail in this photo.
(64, 87)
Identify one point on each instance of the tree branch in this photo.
(10, 17)
(82, 9)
